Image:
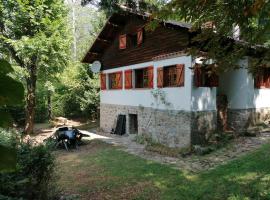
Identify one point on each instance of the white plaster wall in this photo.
(179, 98)
(238, 85)
(202, 98)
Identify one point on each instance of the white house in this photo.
(162, 91)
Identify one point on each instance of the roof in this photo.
(113, 25)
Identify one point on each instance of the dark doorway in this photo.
(133, 124)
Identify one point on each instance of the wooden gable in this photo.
(166, 38)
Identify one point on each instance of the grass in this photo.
(101, 171)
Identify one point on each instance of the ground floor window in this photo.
(262, 79)
(205, 76)
(171, 76)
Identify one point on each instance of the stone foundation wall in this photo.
(203, 124)
(171, 128)
(241, 119)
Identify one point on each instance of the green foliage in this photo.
(11, 92)
(77, 95)
(33, 174)
(248, 15)
(110, 6)
(8, 142)
(35, 35)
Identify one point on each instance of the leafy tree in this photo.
(250, 17)
(11, 93)
(111, 6)
(77, 89)
(34, 34)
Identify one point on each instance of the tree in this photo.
(77, 90)
(111, 6)
(34, 34)
(11, 93)
(250, 17)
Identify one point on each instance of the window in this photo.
(171, 76)
(205, 77)
(144, 78)
(131, 39)
(262, 79)
(115, 80)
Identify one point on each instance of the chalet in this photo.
(147, 77)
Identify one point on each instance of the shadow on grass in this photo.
(245, 178)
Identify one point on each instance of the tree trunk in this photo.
(49, 102)
(30, 100)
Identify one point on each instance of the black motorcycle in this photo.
(68, 137)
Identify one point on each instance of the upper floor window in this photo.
(262, 80)
(115, 80)
(131, 39)
(171, 76)
(144, 78)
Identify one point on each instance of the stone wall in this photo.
(168, 127)
(203, 124)
(240, 119)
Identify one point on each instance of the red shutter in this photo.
(180, 75)
(259, 80)
(123, 41)
(267, 78)
(198, 76)
(102, 81)
(128, 79)
(150, 76)
(139, 36)
(119, 80)
(160, 77)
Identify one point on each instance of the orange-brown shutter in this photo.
(180, 75)
(139, 36)
(150, 76)
(198, 76)
(119, 80)
(103, 81)
(123, 41)
(160, 77)
(128, 79)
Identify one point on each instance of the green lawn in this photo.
(101, 171)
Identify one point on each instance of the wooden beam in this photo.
(94, 53)
(103, 40)
(114, 25)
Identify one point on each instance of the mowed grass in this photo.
(101, 171)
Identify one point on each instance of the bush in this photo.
(33, 175)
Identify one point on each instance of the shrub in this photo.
(33, 175)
